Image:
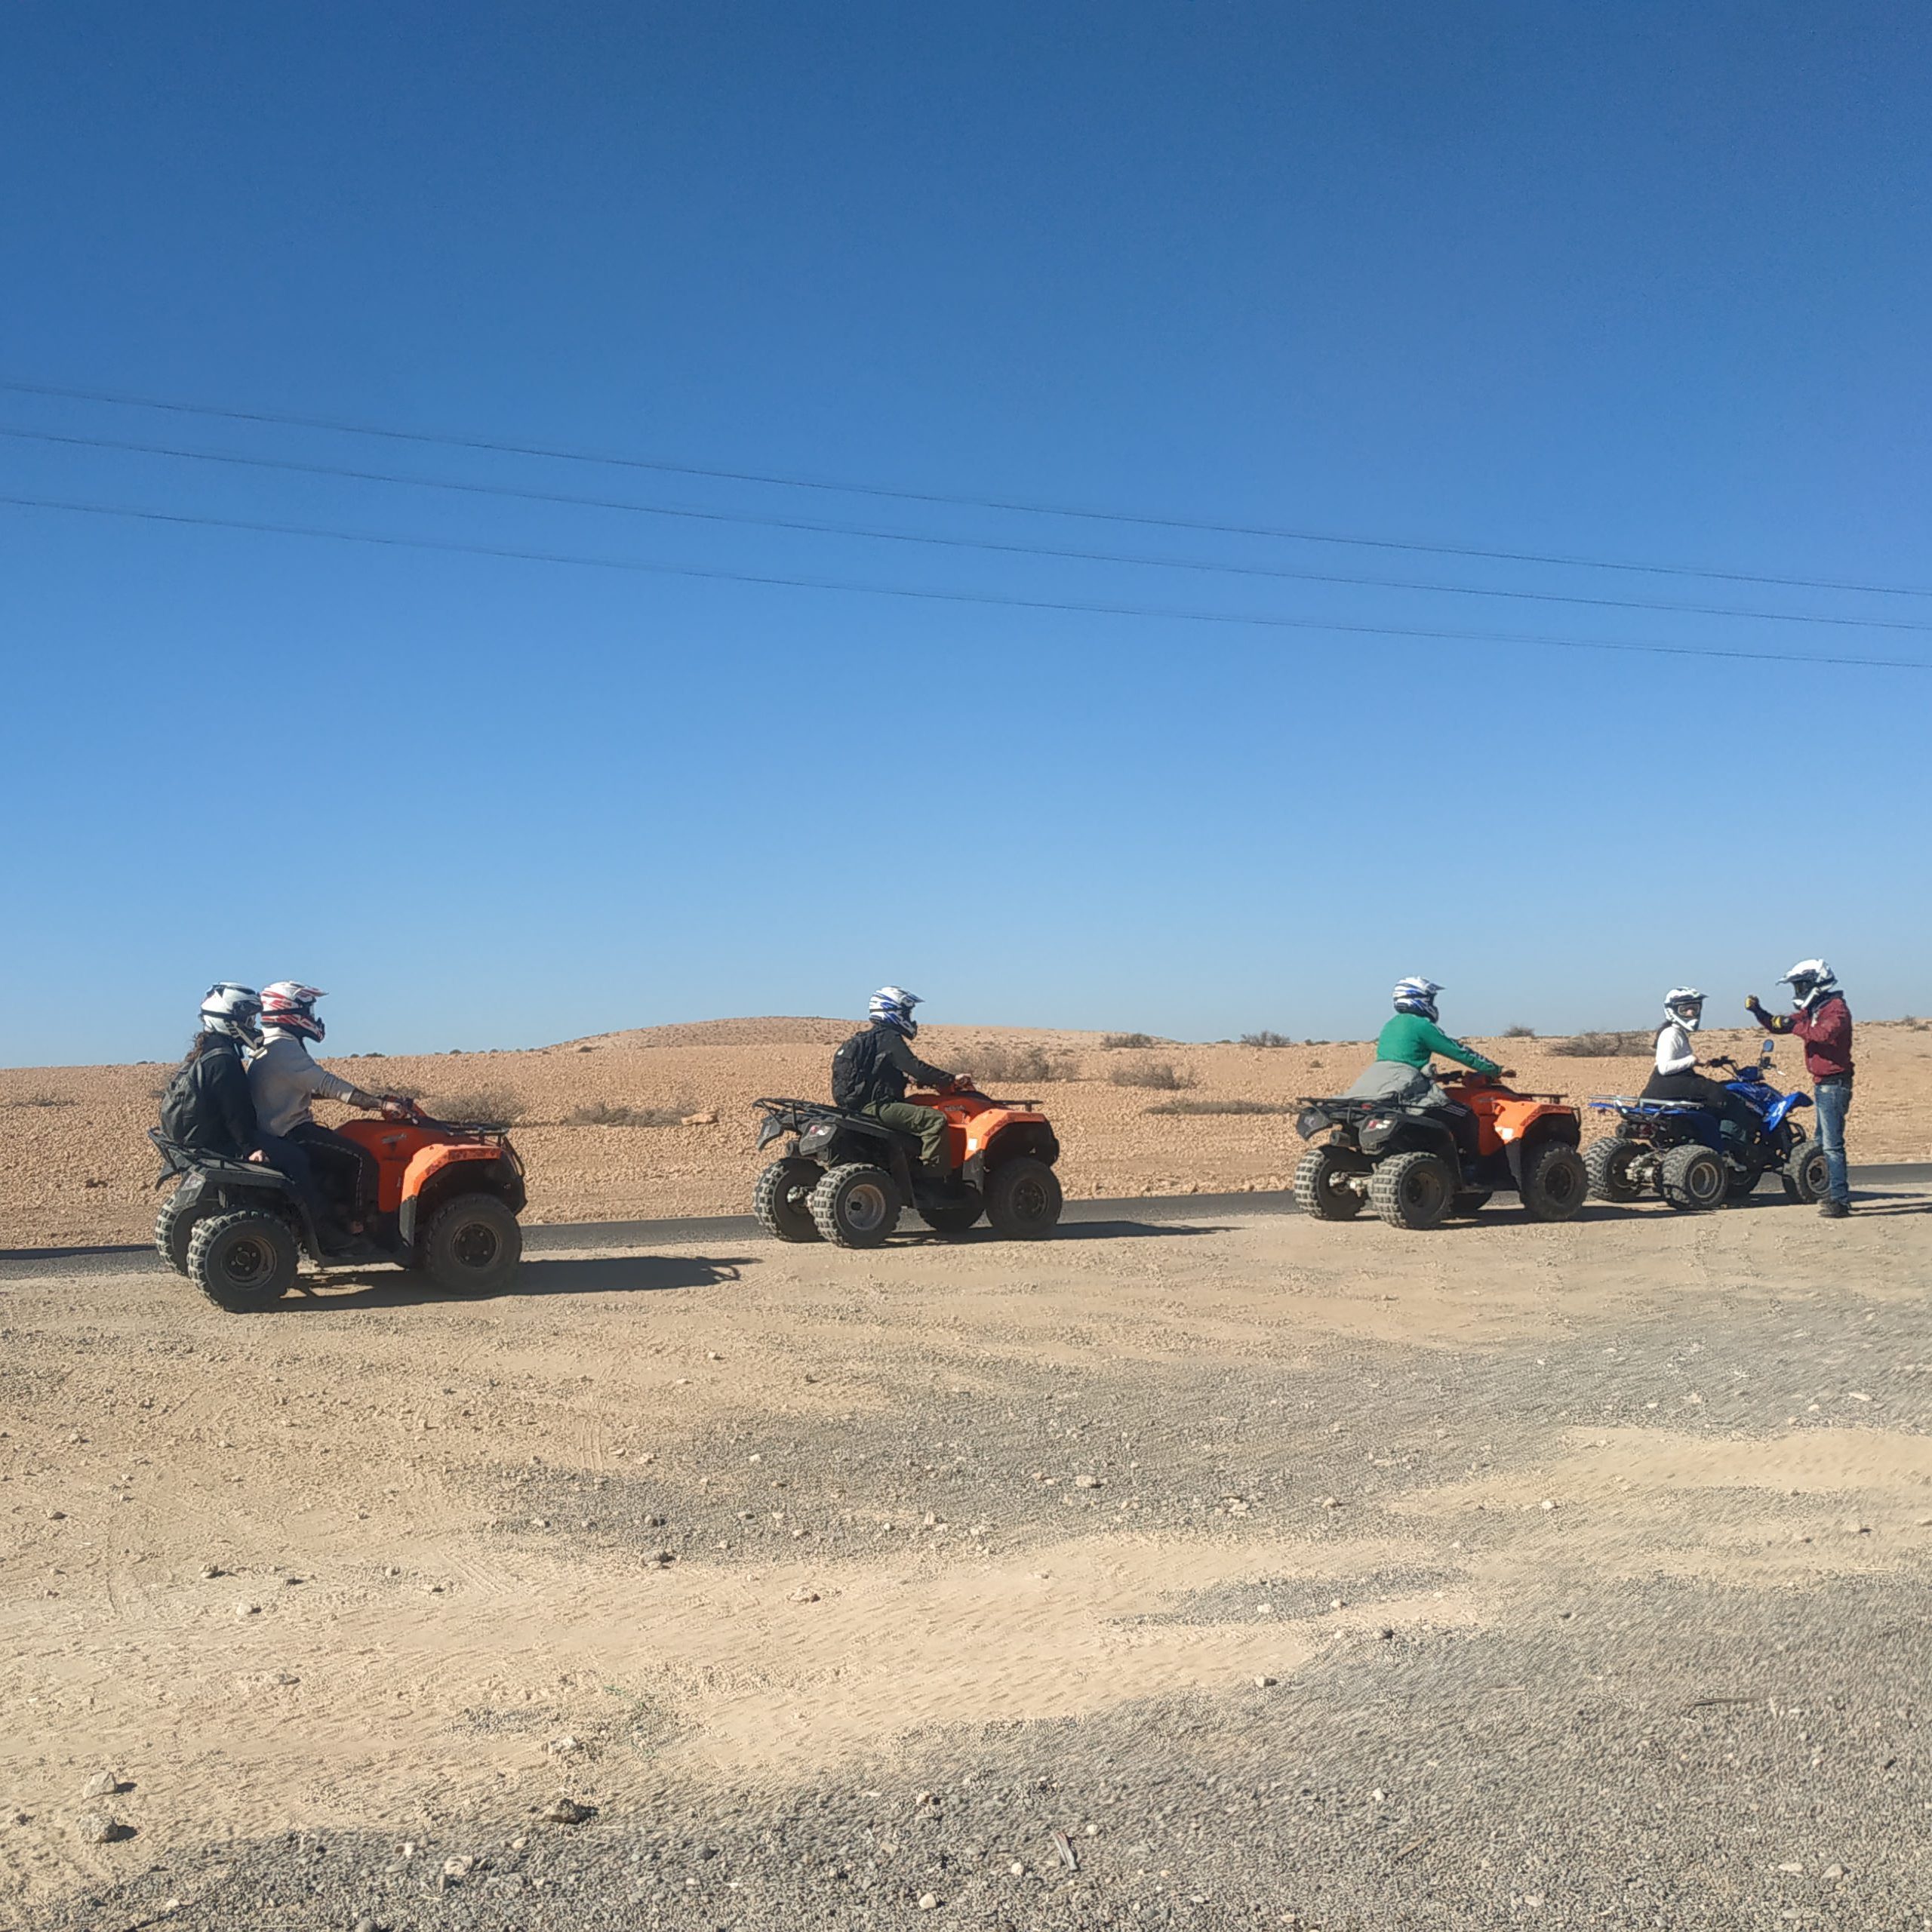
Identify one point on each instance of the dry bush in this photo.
(1031, 1065)
(1265, 1038)
(1162, 1075)
(605, 1113)
(1221, 1107)
(1519, 1032)
(1604, 1046)
(42, 1100)
(478, 1103)
(1112, 1042)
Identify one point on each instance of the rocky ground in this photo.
(1241, 1572)
(79, 1169)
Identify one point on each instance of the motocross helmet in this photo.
(233, 1010)
(1679, 998)
(289, 1006)
(892, 1006)
(1810, 980)
(1417, 995)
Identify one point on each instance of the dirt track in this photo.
(1587, 1564)
(80, 1170)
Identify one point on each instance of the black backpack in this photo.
(853, 1067)
(189, 1117)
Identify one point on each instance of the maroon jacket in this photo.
(1826, 1030)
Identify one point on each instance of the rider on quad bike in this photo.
(870, 1072)
(1677, 1076)
(1401, 1070)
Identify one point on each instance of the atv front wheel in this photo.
(473, 1245)
(782, 1199)
(1413, 1191)
(243, 1260)
(1321, 1183)
(1608, 1163)
(1807, 1175)
(855, 1206)
(175, 1228)
(1023, 1199)
(1555, 1182)
(1692, 1179)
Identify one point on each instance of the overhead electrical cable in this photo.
(296, 467)
(1262, 620)
(561, 452)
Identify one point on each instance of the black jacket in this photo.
(208, 1104)
(875, 1065)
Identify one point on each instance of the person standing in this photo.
(1823, 1020)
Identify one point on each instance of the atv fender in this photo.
(435, 1170)
(1542, 1126)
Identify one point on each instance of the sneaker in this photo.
(1834, 1210)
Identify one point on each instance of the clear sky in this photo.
(1649, 282)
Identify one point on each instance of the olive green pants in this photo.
(928, 1123)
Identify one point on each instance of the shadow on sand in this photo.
(606, 1274)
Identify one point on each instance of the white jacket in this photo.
(1674, 1050)
(283, 1080)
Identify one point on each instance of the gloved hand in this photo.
(1751, 1003)
(960, 1083)
(395, 1107)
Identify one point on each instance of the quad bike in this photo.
(1416, 1166)
(447, 1198)
(845, 1178)
(1678, 1148)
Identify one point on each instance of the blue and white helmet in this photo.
(892, 1006)
(1416, 995)
(1810, 980)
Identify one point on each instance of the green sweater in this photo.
(1410, 1038)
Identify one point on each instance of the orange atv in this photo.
(845, 1178)
(446, 1199)
(1419, 1165)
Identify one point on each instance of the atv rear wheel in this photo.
(782, 1199)
(1321, 1188)
(1412, 1191)
(1806, 1176)
(855, 1205)
(1555, 1182)
(1023, 1199)
(1608, 1164)
(1692, 1179)
(175, 1228)
(473, 1245)
(243, 1260)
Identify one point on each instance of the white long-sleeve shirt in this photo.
(1674, 1051)
(283, 1080)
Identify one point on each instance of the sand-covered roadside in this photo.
(77, 1168)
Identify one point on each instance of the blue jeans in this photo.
(1832, 1097)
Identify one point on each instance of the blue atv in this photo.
(1676, 1146)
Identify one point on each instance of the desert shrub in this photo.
(486, 1103)
(1113, 1042)
(1221, 1107)
(1033, 1065)
(1604, 1046)
(1519, 1032)
(605, 1113)
(1162, 1075)
(42, 1100)
(1265, 1038)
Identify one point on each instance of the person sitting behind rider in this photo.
(869, 1074)
(1400, 1071)
(285, 1081)
(1676, 1076)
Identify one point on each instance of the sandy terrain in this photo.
(79, 1171)
(1299, 1574)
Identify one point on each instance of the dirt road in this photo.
(1297, 1574)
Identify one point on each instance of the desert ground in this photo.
(1239, 1571)
(79, 1171)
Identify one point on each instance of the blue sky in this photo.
(1643, 283)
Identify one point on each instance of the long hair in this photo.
(199, 1045)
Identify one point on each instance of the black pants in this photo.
(346, 1169)
(1710, 1093)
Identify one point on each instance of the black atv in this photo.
(845, 1178)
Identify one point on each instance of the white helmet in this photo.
(892, 1006)
(232, 1009)
(1810, 980)
(289, 1006)
(1684, 996)
(1416, 995)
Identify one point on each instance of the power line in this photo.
(512, 491)
(560, 452)
(1257, 618)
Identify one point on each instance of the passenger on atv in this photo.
(871, 1070)
(284, 1081)
(1401, 1073)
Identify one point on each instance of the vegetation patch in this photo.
(1221, 1107)
(1031, 1066)
(607, 1113)
(1114, 1042)
(1604, 1046)
(1162, 1075)
(1265, 1038)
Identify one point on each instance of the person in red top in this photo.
(1823, 1022)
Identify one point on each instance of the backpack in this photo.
(852, 1070)
(189, 1115)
